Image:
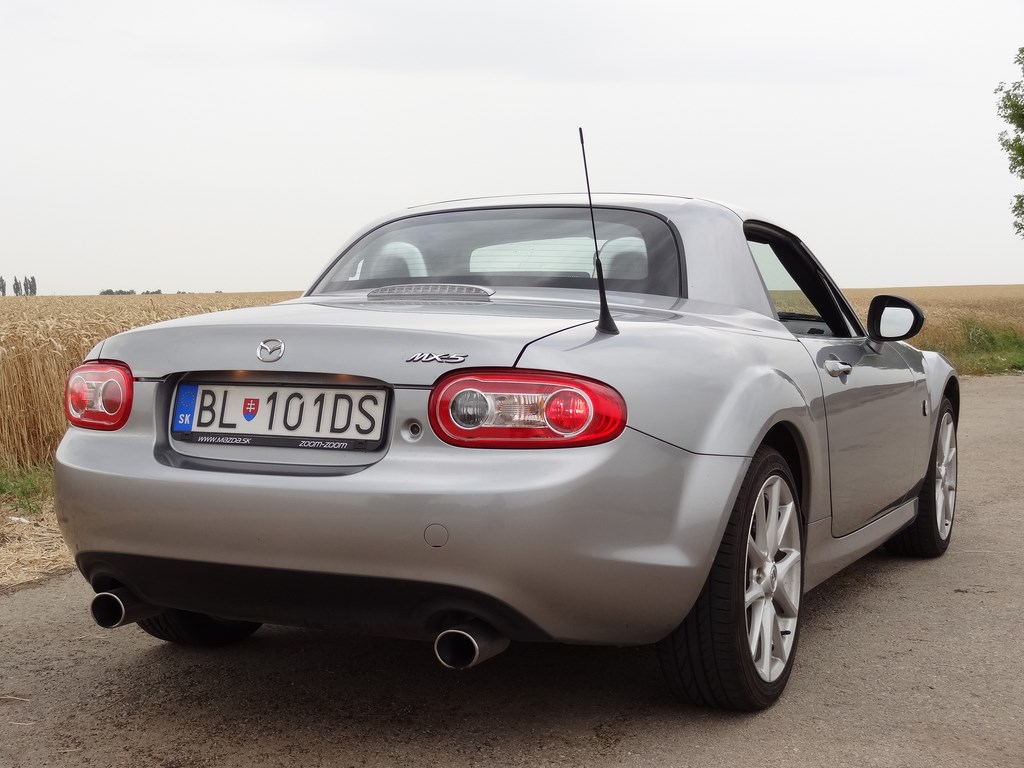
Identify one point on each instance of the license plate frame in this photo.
(300, 416)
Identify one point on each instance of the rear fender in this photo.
(704, 390)
(707, 391)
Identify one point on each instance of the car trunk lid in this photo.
(399, 343)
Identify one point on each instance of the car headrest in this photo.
(624, 259)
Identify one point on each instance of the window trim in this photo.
(816, 284)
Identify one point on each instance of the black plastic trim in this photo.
(369, 605)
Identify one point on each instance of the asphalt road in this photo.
(901, 663)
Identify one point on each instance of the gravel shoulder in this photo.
(901, 663)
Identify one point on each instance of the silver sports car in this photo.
(446, 438)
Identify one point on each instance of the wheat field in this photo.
(945, 306)
(43, 337)
(979, 327)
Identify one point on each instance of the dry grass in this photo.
(31, 547)
(43, 337)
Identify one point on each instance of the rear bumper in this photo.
(602, 544)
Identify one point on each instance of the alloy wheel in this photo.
(945, 476)
(773, 578)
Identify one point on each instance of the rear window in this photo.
(541, 247)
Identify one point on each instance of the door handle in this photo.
(837, 367)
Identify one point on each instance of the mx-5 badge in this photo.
(431, 357)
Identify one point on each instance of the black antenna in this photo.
(605, 322)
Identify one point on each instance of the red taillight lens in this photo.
(99, 395)
(498, 408)
(568, 412)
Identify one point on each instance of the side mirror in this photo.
(893, 318)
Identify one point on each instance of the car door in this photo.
(871, 401)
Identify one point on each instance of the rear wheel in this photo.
(196, 629)
(736, 648)
(929, 534)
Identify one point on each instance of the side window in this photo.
(799, 293)
(787, 297)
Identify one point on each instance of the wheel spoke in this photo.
(788, 591)
(787, 627)
(756, 532)
(754, 626)
(768, 630)
(947, 509)
(786, 564)
(947, 435)
(788, 602)
(753, 594)
(772, 513)
(950, 460)
(785, 518)
(756, 556)
(780, 648)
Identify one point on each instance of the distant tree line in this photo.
(26, 287)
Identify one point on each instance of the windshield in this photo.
(540, 247)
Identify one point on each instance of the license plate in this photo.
(329, 418)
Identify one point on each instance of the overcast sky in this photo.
(233, 146)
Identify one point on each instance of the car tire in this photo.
(196, 629)
(735, 649)
(932, 529)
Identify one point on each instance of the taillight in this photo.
(498, 408)
(99, 395)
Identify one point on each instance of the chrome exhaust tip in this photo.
(468, 644)
(119, 607)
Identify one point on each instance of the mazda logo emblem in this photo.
(270, 351)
